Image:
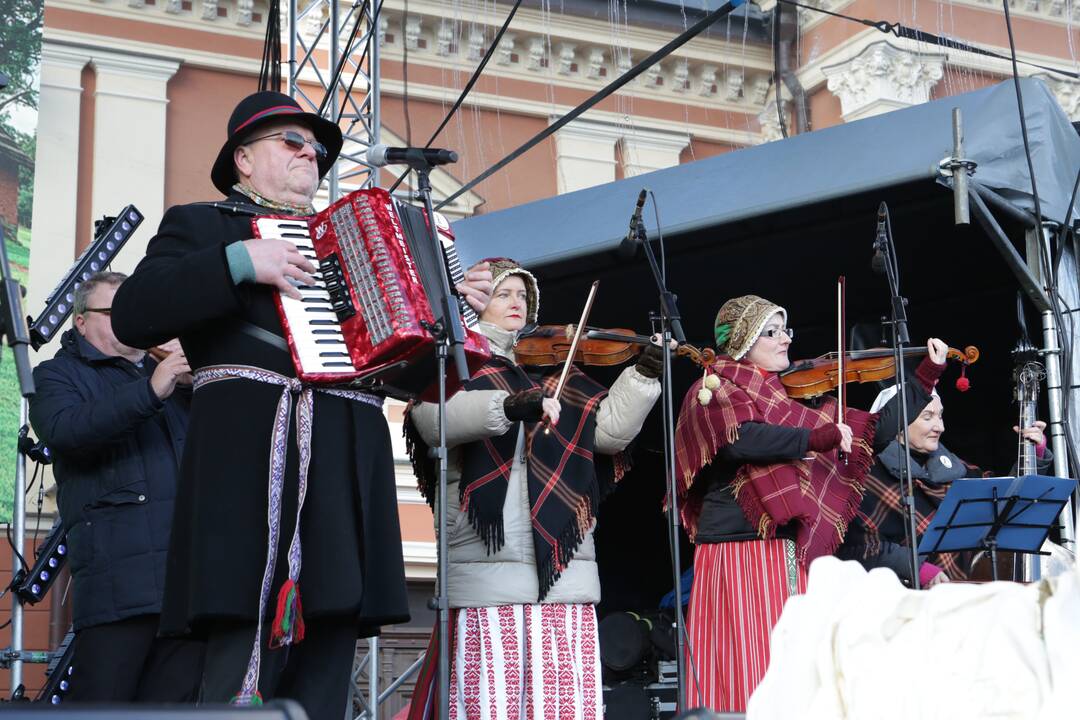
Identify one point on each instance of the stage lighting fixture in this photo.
(110, 234)
(60, 673)
(52, 554)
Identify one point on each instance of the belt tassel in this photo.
(288, 624)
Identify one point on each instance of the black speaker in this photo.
(274, 710)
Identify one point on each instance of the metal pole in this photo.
(961, 215)
(374, 97)
(373, 676)
(1037, 241)
(18, 523)
(333, 32)
(1052, 362)
(292, 48)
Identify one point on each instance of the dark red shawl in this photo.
(818, 494)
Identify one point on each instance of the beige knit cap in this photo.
(740, 322)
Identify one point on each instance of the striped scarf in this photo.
(565, 480)
(818, 495)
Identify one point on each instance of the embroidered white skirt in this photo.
(526, 662)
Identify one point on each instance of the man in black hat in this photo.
(320, 487)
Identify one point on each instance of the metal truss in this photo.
(321, 33)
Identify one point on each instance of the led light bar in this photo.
(110, 234)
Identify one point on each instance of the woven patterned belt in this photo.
(288, 623)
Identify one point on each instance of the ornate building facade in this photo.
(135, 95)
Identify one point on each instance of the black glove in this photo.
(651, 362)
(527, 406)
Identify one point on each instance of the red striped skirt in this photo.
(738, 593)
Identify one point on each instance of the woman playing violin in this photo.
(762, 491)
(876, 537)
(522, 507)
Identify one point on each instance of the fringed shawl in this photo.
(818, 495)
(566, 481)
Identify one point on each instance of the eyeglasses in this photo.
(774, 333)
(103, 311)
(294, 140)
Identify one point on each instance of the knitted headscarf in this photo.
(740, 322)
(502, 268)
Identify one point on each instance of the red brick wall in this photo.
(9, 192)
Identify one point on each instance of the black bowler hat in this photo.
(259, 109)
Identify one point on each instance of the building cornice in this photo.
(171, 13)
(506, 104)
(76, 42)
(812, 75)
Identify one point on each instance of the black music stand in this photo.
(992, 514)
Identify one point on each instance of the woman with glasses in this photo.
(521, 510)
(762, 494)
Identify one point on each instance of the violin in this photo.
(550, 345)
(811, 378)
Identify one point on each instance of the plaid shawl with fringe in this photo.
(820, 495)
(881, 514)
(566, 481)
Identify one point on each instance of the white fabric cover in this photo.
(859, 646)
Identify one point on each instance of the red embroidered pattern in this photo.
(529, 650)
(590, 665)
(508, 630)
(489, 659)
(565, 633)
(470, 666)
(548, 676)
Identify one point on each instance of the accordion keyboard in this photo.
(314, 326)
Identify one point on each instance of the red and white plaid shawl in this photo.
(819, 495)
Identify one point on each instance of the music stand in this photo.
(991, 514)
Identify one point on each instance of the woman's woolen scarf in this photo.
(566, 481)
(819, 495)
(881, 512)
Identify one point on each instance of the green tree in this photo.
(20, 49)
(28, 143)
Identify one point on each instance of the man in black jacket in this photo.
(277, 475)
(115, 421)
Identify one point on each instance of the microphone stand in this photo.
(671, 328)
(449, 334)
(900, 339)
(13, 326)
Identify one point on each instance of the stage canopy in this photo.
(784, 220)
(836, 163)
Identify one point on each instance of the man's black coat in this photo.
(352, 563)
(116, 447)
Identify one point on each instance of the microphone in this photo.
(881, 239)
(383, 155)
(629, 245)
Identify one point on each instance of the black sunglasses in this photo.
(103, 311)
(294, 140)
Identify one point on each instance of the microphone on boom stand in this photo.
(629, 245)
(881, 239)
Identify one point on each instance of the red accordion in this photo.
(367, 316)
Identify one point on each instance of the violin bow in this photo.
(841, 324)
(577, 337)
